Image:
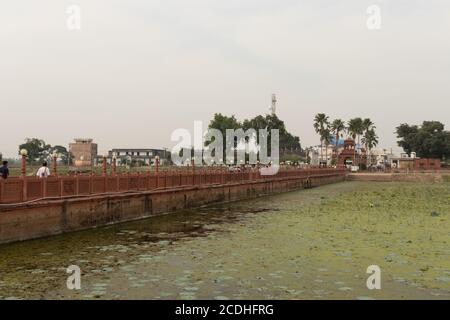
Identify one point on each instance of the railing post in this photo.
(2, 188)
(55, 165)
(165, 179)
(147, 180)
(77, 185)
(114, 168)
(156, 173)
(138, 179)
(193, 171)
(44, 187)
(24, 164)
(24, 153)
(104, 166)
(24, 188)
(61, 187)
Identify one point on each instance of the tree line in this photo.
(429, 140)
(288, 143)
(39, 151)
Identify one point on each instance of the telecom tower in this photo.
(273, 108)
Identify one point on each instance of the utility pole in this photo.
(273, 108)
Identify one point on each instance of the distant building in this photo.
(313, 156)
(139, 156)
(412, 162)
(321, 155)
(84, 151)
(380, 157)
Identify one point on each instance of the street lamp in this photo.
(24, 154)
(114, 165)
(193, 164)
(104, 164)
(156, 164)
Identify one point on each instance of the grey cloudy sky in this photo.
(138, 69)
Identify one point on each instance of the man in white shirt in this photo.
(43, 171)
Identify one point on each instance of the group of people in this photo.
(43, 171)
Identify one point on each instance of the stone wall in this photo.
(51, 217)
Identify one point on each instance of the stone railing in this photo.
(25, 189)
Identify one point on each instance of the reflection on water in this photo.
(295, 245)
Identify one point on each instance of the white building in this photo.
(321, 155)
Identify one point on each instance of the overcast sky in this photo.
(139, 69)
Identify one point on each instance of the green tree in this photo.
(368, 130)
(287, 140)
(65, 156)
(429, 140)
(320, 124)
(37, 149)
(337, 127)
(222, 123)
(370, 140)
(268, 122)
(326, 137)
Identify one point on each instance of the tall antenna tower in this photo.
(273, 108)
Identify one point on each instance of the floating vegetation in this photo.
(315, 243)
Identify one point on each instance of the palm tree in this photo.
(320, 123)
(355, 129)
(325, 136)
(337, 126)
(367, 125)
(370, 140)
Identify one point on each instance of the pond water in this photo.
(307, 244)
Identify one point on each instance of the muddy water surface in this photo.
(308, 244)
